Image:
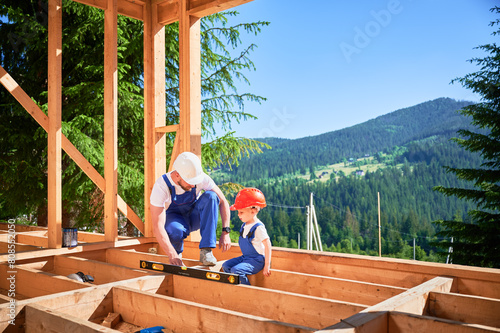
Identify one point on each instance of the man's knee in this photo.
(210, 196)
(176, 231)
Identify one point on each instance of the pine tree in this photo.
(23, 144)
(478, 243)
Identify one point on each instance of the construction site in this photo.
(127, 285)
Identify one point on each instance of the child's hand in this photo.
(267, 271)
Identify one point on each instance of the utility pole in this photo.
(413, 248)
(312, 227)
(379, 232)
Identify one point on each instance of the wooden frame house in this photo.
(308, 291)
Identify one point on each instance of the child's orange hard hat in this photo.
(249, 197)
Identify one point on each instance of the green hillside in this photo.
(433, 119)
(401, 156)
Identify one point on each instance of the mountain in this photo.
(437, 119)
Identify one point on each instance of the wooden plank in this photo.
(77, 249)
(326, 287)
(389, 271)
(88, 303)
(189, 82)
(54, 152)
(4, 247)
(100, 271)
(125, 8)
(34, 283)
(404, 322)
(465, 308)
(42, 319)
(33, 238)
(411, 301)
(276, 305)
(167, 129)
(29, 105)
(111, 120)
(169, 11)
(200, 8)
(154, 105)
(184, 316)
(339, 266)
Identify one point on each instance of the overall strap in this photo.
(251, 233)
(169, 185)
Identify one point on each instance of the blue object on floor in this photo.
(156, 329)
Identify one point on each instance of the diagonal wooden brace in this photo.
(41, 118)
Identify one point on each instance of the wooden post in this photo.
(379, 237)
(154, 105)
(54, 196)
(111, 120)
(189, 135)
(189, 82)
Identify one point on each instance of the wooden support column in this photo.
(154, 105)
(110, 121)
(189, 135)
(189, 81)
(54, 196)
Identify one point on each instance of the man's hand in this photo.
(175, 259)
(224, 242)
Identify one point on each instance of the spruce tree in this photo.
(23, 144)
(478, 241)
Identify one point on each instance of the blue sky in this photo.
(325, 65)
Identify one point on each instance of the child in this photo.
(254, 241)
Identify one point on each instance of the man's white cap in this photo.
(188, 165)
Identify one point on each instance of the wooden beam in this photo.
(77, 249)
(189, 82)
(87, 304)
(101, 272)
(54, 152)
(411, 301)
(34, 238)
(388, 271)
(275, 305)
(465, 308)
(154, 106)
(200, 8)
(30, 106)
(34, 283)
(132, 9)
(169, 11)
(185, 316)
(404, 322)
(111, 120)
(42, 319)
(327, 287)
(167, 129)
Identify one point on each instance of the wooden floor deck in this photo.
(308, 291)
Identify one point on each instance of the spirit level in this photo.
(191, 272)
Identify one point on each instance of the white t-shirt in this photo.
(160, 195)
(260, 236)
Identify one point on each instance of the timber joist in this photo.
(308, 291)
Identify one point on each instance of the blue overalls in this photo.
(251, 262)
(186, 214)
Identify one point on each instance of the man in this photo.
(187, 210)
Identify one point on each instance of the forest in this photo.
(346, 204)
